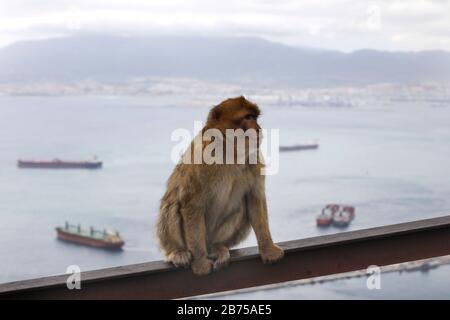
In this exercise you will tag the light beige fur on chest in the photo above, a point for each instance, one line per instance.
(228, 198)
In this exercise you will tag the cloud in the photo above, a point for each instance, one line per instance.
(339, 24)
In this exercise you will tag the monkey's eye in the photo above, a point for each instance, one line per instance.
(250, 117)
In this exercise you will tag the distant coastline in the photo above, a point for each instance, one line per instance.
(433, 93)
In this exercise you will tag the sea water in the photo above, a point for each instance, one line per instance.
(389, 161)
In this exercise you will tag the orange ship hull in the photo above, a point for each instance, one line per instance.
(88, 241)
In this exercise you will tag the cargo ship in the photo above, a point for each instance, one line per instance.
(337, 215)
(59, 164)
(105, 239)
(325, 218)
(344, 216)
(299, 147)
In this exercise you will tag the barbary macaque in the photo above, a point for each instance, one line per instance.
(209, 208)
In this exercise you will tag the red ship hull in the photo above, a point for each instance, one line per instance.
(91, 242)
(323, 222)
(59, 164)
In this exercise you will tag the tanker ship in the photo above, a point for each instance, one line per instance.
(59, 164)
(299, 147)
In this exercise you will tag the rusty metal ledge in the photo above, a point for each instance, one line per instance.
(305, 258)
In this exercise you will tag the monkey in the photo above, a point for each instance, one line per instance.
(209, 208)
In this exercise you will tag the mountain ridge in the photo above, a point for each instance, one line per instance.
(117, 58)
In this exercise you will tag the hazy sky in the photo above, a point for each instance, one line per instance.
(340, 24)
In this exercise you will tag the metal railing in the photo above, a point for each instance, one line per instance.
(305, 258)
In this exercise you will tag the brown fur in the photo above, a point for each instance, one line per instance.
(209, 208)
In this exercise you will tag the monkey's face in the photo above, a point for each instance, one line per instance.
(248, 120)
(249, 124)
(237, 119)
(236, 113)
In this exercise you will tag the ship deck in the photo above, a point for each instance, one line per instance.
(96, 235)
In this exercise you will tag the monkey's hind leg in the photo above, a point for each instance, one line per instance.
(171, 237)
(179, 258)
(176, 251)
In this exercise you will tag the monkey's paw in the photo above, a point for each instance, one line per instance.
(180, 258)
(271, 254)
(221, 258)
(201, 266)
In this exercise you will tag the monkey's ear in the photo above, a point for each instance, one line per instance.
(214, 114)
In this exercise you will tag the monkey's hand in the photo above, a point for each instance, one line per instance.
(221, 257)
(271, 254)
(201, 266)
